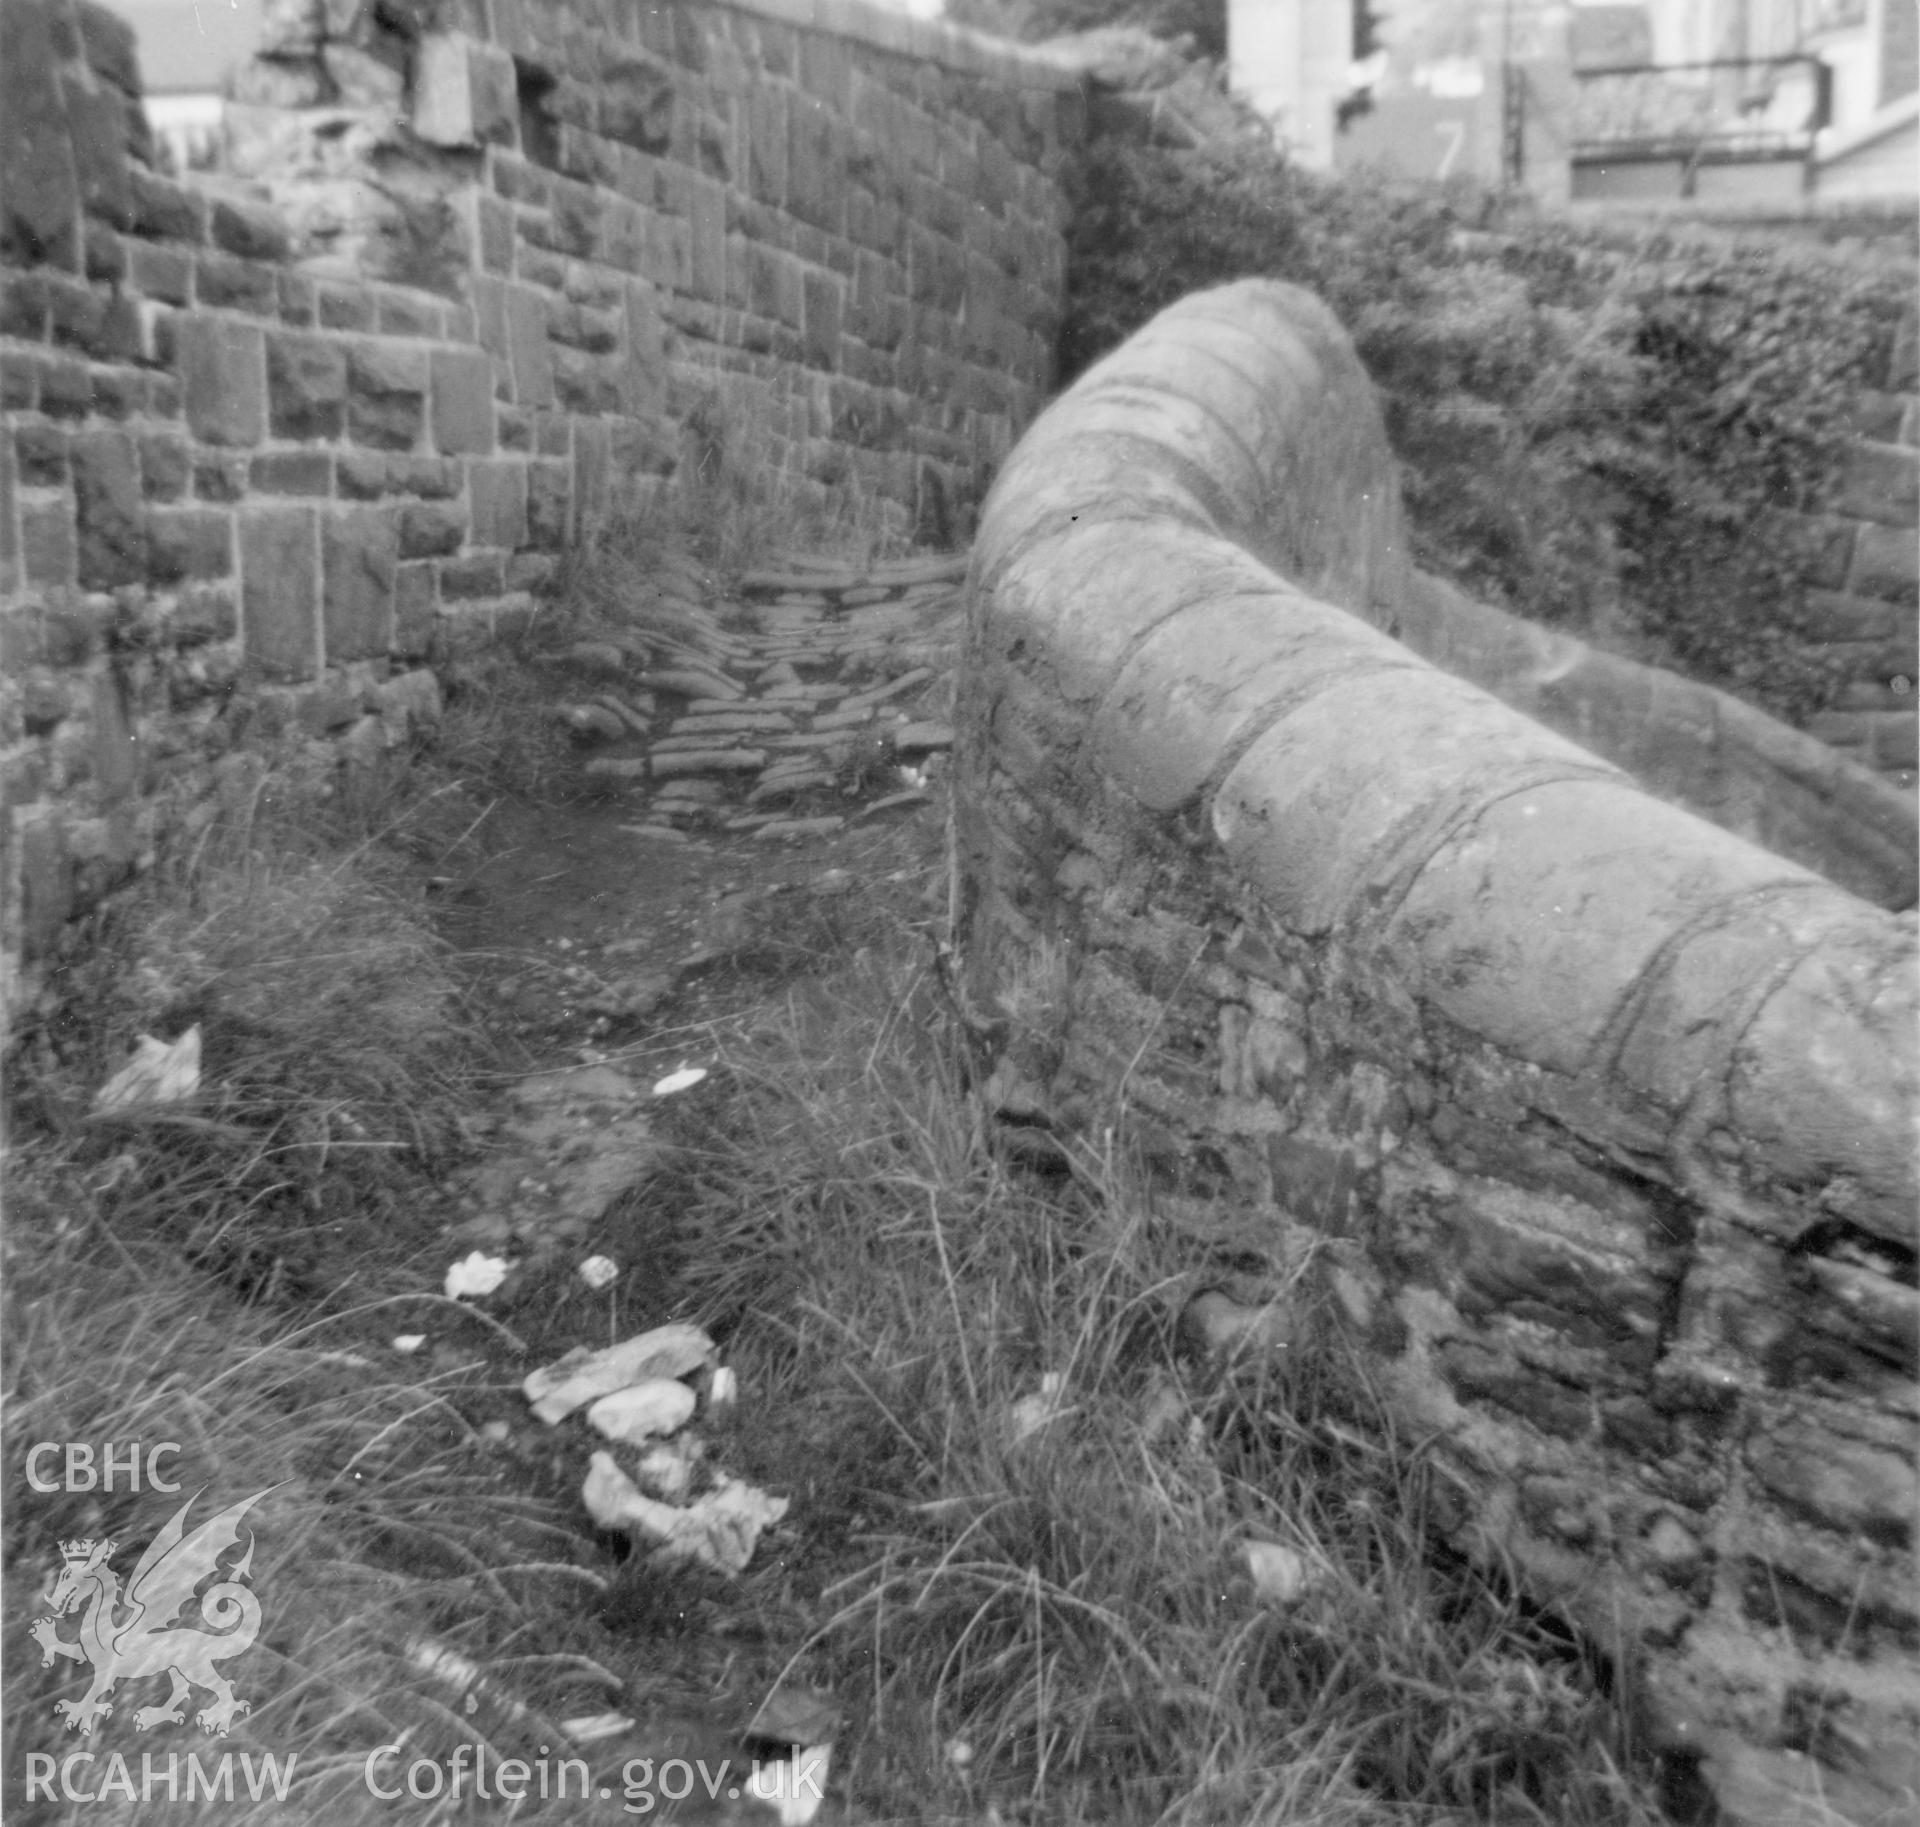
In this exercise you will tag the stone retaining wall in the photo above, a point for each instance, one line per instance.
(835, 228)
(1703, 749)
(1864, 602)
(1593, 1122)
(487, 273)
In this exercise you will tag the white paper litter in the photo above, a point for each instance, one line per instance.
(795, 1785)
(1280, 1575)
(666, 1469)
(721, 1530)
(1031, 1413)
(557, 1389)
(683, 1080)
(599, 1272)
(1224, 1327)
(795, 1714)
(407, 1343)
(160, 1072)
(478, 1273)
(596, 1726)
(643, 1412)
(722, 1392)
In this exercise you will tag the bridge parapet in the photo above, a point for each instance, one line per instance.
(1594, 1119)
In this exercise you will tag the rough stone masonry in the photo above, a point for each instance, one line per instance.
(274, 445)
(1592, 1122)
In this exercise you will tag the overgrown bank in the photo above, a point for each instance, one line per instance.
(1630, 437)
(1057, 1550)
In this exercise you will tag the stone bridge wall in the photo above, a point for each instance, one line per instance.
(1713, 753)
(488, 271)
(1864, 587)
(1594, 1122)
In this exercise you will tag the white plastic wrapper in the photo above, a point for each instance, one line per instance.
(721, 1530)
(160, 1072)
(582, 1376)
(644, 1412)
(476, 1274)
(599, 1272)
(1281, 1576)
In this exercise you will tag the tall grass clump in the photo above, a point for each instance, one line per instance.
(397, 1572)
(1025, 1500)
(745, 491)
(336, 1046)
(228, 1274)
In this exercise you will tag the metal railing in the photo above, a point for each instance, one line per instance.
(1732, 108)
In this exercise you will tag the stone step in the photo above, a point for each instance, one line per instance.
(791, 829)
(693, 683)
(847, 718)
(905, 683)
(920, 738)
(707, 761)
(787, 786)
(813, 739)
(801, 696)
(731, 723)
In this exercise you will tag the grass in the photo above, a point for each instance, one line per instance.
(1056, 1626)
(742, 495)
(336, 1040)
(228, 1277)
(1063, 1627)
(389, 1539)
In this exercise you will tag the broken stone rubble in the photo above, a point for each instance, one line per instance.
(826, 661)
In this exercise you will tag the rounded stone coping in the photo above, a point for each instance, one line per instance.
(952, 47)
(1181, 572)
(1183, 721)
(1713, 753)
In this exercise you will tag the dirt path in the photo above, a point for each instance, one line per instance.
(759, 771)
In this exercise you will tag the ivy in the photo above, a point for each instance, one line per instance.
(1618, 437)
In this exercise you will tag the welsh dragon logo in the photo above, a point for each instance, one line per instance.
(133, 1636)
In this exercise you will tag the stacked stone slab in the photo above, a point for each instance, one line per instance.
(1591, 1123)
(487, 285)
(807, 703)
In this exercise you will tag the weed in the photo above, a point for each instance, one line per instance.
(1061, 1625)
(396, 1566)
(1020, 1508)
(335, 1045)
(742, 493)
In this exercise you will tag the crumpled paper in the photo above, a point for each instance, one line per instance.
(643, 1412)
(476, 1274)
(160, 1072)
(1031, 1413)
(721, 1530)
(582, 1376)
(1280, 1575)
(794, 1785)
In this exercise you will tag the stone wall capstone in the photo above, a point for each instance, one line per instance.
(1592, 1123)
(1702, 748)
(480, 276)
